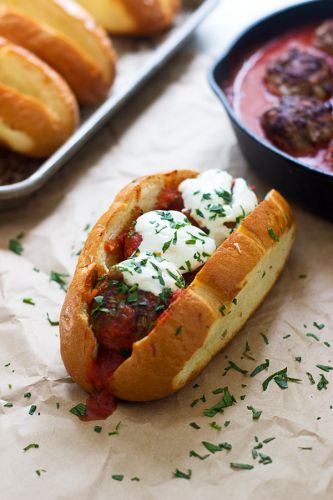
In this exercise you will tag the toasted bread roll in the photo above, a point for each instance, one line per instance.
(203, 318)
(38, 111)
(133, 17)
(66, 37)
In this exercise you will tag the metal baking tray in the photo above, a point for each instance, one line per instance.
(138, 61)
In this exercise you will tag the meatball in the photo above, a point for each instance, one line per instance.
(300, 73)
(299, 124)
(324, 37)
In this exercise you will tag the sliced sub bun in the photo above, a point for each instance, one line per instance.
(66, 37)
(38, 111)
(133, 17)
(209, 312)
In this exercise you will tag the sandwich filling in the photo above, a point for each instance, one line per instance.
(162, 252)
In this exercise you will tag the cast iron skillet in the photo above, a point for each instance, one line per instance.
(312, 188)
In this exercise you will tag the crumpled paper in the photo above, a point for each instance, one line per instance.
(175, 122)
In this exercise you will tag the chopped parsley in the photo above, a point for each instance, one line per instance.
(272, 234)
(59, 278)
(32, 410)
(227, 400)
(80, 410)
(310, 377)
(183, 475)
(298, 359)
(8, 405)
(265, 338)
(118, 477)
(233, 366)
(214, 448)
(237, 466)
(323, 383)
(39, 472)
(178, 330)
(260, 368)
(325, 368)
(98, 429)
(313, 336)
(287, 336)
(247, 352)
(52, 323)
(302, 276)
(215, 426)
(195, 454)
(264, 459)
(15, 245)
(116, 431)
(319, 326)
(280, 378)
(135, 478)
(29, 300)
(255, 412)
(195, 425)
(30, 446)
(27, 395)
(268, 440)
(222, 309)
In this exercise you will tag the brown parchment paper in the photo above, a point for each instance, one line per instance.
(175, 122)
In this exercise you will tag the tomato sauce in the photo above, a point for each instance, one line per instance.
(250, 98)
(121, 318)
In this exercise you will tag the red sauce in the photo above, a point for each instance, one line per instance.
(129, 321)
(249, 95)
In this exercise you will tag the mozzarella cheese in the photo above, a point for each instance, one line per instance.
(170, 234)
(214, 199)
(151, 273)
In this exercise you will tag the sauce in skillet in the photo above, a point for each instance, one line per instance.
(250, 98)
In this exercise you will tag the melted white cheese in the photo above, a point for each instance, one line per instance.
(170, 234)
(151, 273)
(213, 199)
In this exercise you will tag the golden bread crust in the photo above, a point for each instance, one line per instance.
(67, 38)
(38, 111)
(203, 317)
(133, 17)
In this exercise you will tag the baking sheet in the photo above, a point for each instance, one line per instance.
(175, 122)
(138, 61)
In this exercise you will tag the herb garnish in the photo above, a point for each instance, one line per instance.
(325, 368)
(215, 426)
(236, 466)
(8, 405)
(116, 431)
(29, 300)
(298, 359)
(227, 400)
(15, 245)
(32, 410)
(30, 446)
(27, 395)
(178, 330)
(311, 379)
(39, 471)
(214, 448)
(272, 234)
(319, 326)
(195, 425)
(118, 477)
(264, 459)
(247, 351)
(183, 475)
(59, 278)
(313, 336)
(222, 309)
(265, 338)
(233, 366)
(260, 368)
(323, 382)
(255, 413)
(195, 454)
(80, 410)
(98, 429)
(280, 378)
(52, 323)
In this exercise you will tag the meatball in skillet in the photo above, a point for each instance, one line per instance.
(324, 37)
(299, 124)
(299, 72)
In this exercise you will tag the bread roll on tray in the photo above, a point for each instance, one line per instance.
(161, 285)
(65, 36)
(38, 111)
(133, 17)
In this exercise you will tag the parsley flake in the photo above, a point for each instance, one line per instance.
(80, 410)
(272, 234)
(183, 475)
(255, 413)
(237, 466)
